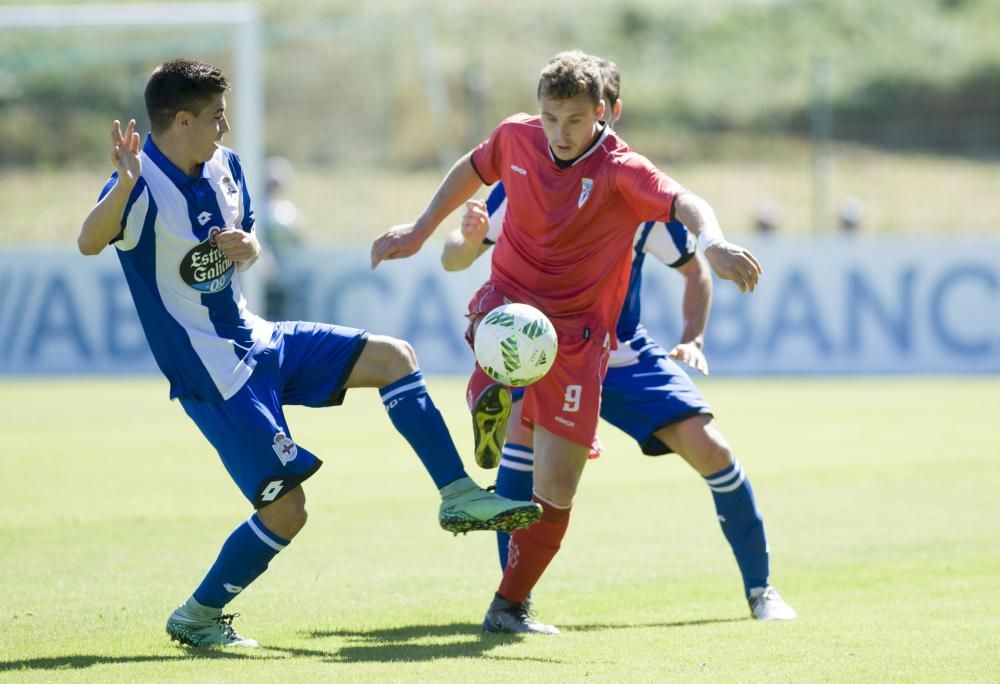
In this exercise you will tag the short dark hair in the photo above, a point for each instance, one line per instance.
(568, 74)
(611, 78)
(181, 85)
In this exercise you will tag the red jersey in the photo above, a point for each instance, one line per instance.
(566, 246)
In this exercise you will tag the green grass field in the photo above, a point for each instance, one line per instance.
(880, 498)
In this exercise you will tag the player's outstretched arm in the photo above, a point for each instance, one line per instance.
(696, 304)
(103, 222)
(406, 239)
(729, 261)
(464, 245)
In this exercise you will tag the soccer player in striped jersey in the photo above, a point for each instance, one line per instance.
(576, 193)
(645, 393)
(179, 214)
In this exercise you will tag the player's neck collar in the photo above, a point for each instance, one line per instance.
(598, 139)
(171, 170)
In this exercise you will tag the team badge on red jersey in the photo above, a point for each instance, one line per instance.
(588, 185)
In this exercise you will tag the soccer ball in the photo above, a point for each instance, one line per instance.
(516, 344)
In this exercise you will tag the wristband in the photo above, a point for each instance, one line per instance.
(710, 238)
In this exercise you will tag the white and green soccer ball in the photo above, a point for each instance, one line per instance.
(516, 344)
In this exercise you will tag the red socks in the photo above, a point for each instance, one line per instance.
(531, 551)
(477, 384)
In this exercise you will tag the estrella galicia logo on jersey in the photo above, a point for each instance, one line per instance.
(588, 185)
(205, 268)
(285, 448)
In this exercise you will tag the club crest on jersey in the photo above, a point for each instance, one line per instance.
(588, 185)
(229, 186)
(205, 268)
(285, 448)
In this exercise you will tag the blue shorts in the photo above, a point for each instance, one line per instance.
(305, 364)
(649, 395)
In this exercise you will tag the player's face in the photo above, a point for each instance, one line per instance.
(570, 124)
(207, 128)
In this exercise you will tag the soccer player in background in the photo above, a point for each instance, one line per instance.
(645, 393)
(179, 213)
(575, 193)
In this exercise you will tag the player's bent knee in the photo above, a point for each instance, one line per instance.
(712, 456)
(288, 515)
(383, 361)
(401, 359)
(556, 493)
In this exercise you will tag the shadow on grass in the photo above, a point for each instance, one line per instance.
(465, 640)
(79, 662)
(404, 643)
(653, 625)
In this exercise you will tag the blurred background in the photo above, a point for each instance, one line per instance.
(855, 145)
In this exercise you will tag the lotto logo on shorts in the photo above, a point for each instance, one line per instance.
(271, 491)
(285, 448)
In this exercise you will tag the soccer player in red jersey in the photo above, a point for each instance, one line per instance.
(576, 193)
(645, 393)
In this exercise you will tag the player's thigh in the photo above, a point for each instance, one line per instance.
(558, 466)
(648, 395)
(700, 442)
(252, 437)
(316, 360)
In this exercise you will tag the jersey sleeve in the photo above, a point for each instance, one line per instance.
(672, 243)
(486, 158)
(496, 208)
(133, 218)
(649, 191)
(246, 216)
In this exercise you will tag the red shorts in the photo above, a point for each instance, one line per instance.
(567, 401)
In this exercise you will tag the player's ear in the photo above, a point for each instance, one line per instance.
(183, 118)
(616, 110)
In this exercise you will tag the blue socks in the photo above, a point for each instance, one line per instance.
(514, 480)
(741, 523)
(417, 419)
(243, 557)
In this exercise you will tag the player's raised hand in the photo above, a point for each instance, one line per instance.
(690, 355)
(475, 221)
(125, 153)
(398, 242)
(732, 262)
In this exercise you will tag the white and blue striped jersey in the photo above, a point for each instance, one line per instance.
(672, 243)
(186, 291)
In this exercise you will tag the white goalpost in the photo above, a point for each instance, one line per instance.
(242, 20)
